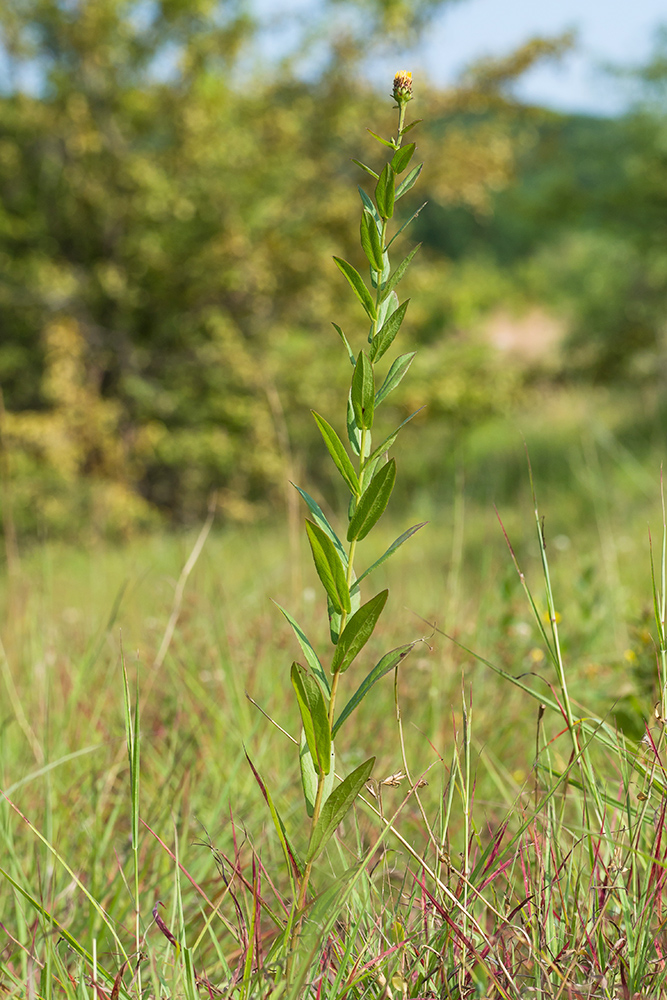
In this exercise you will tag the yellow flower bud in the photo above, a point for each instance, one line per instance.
(403, 86)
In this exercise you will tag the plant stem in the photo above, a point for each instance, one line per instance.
(401, 120)
(299, 904)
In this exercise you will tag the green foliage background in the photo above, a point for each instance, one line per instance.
(169, 208)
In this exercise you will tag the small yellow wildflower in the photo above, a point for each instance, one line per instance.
(403, 86)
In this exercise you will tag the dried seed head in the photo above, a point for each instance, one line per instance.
(394, 780)
(403, 86)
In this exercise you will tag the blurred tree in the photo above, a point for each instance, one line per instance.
(583, 229)
(176, 213)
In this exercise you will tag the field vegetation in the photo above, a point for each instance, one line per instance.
(168, 214)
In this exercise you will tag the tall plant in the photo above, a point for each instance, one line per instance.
(369, 475)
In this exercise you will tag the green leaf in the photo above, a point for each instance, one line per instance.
(336, 808)
(394, 376)
(308, 651)
(313, 716)
(406, 224)
(358, 286)
(409, 182)
(373, 502)
(385, 191)
(309, 778)
(363, 392)
(383, 340)
(353, 432)
(370, 241)
(319, 518)
(364, 167)
(367, 203)
(357, 632)
(399, 272)
(384, 666)
(390, 551)
(389, 440)
(329, 567)
(401, 158)
(337, 451)
(386, 308)
(370, 465)
(293, 861)
(335, 618)
(411, 125)
(378, 278)
(342, 336)
(385, 142)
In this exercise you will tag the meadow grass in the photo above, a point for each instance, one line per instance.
(496, 879)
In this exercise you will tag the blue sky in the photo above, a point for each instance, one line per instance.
(619, 32)
(611, 31)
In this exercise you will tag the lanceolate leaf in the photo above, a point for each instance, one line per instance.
(342, 336)
(335, 619)
(308, 651)
(319, 518)
(357, 284)
(384, 338)
(402, 157)
(293, 861)
(389, 440)
(399, 272)
(370, 465)
(353, 432)
(385, 191)
(336, 808)
(364, 167)
(309, 775)
(406, 224)
(329, 567)
(367, 202)
(387, 663)
(409, 181)
(386, 308)
(363, 392)
(378, 278)
(370, 241)
(357, 632)
(373, 502)
(390, 551)
(385, 142)
(313, 716)
(411, 125)
(337, 451)
(394, 376)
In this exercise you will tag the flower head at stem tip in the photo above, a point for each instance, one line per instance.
(402, 92)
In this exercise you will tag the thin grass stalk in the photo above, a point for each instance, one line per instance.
(133, 741)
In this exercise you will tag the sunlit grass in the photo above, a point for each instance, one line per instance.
(73, 614)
